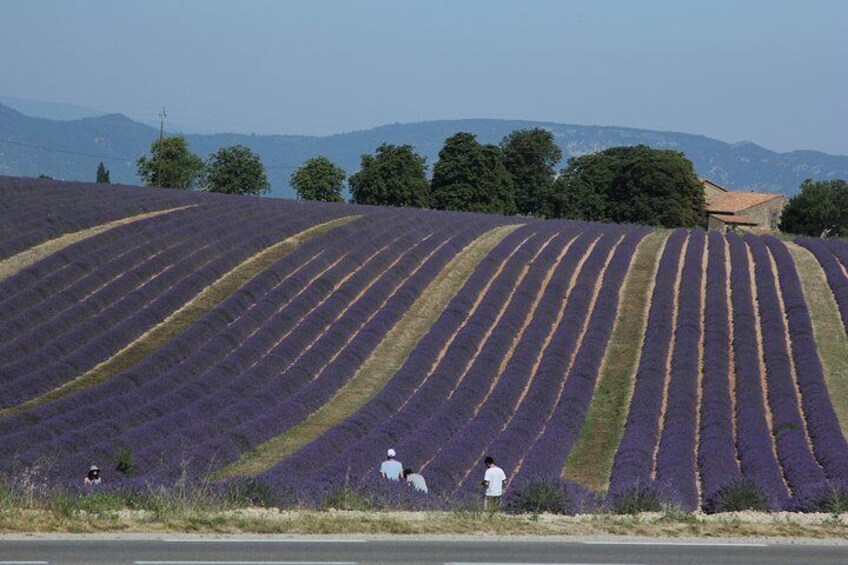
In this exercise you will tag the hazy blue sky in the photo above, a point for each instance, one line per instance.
(772, 72)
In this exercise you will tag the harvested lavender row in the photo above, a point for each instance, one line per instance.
(468, 446)
(793, 450)
(405, 382)
(829, 444)
(754, 442)
(634, 458)
(675, 461)
(717, 462)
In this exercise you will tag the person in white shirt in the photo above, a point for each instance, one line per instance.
(391, 468)
(494, 481)
(416, 480)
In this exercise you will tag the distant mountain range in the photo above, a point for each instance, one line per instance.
(71, 149)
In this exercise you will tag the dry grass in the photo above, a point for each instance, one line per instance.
(831, 341)
(24, 259)
(590, 461)
(386, 359)
(174, 324)
(272, 521)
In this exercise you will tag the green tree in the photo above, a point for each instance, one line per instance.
(530, 156)
(170, 165)
(819, 210)
(235, 170)
(319, 179)
(394, 176)
(471, 177)
(635, 184)
(102, 174)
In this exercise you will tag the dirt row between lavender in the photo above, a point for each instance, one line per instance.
(671, 524)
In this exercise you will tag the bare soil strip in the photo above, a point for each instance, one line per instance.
(386, 359)
(831, 340)
(674, 311)
(17, 263)
(700, 377)
(590, 461)
(731, 358)
(190, 312)
(761, 357)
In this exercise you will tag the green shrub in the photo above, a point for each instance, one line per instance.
(124, 460)
(346, 498)
(738, 496)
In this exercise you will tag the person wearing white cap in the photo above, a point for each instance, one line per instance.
(391, 468)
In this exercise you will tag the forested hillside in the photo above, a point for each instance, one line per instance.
(119, 141)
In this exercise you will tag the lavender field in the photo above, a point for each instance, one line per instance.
(728, 393)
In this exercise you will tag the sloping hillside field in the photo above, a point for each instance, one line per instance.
(282, 346)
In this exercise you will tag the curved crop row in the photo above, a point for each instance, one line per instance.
(634, 460)
(120, 313)
(417, 380)
(543, 430)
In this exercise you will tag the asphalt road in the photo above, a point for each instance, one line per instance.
(348, 551)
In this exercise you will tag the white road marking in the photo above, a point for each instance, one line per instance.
(677, 543)
(261, 540)
(245, 562)
(502, 563)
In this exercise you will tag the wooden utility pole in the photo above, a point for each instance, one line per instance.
(162, 116)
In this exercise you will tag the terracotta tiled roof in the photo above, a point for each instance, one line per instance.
(732, 202)
(713, 184)
(735, 219)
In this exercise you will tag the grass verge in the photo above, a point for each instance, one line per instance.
(670, 524)
(189, 313)
(590, 462)
(386, 359)
(829, 333)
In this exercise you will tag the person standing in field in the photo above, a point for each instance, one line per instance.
(494, 481)
(93, 476)
(415, 479)
(391, 468)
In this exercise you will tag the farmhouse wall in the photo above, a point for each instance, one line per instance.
(768, 213)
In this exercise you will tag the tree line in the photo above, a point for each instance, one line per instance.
(628, 184)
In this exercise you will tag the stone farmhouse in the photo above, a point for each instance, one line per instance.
(733, 209)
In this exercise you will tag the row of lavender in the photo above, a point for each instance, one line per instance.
(498, 373)
(33, 211)
(283, 344)
(768, 421)
(66, 317)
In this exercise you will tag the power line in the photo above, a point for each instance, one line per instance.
(53, 149)
(103, 157)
